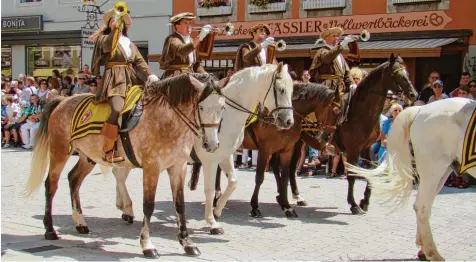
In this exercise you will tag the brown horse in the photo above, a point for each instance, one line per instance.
(161, 141)
(357, 132)
(268, 139)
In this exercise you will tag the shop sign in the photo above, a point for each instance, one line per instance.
(22, 23)
(85, 33)
(375, 23)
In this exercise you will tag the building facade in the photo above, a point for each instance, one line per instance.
(41, 35)
(428, 34)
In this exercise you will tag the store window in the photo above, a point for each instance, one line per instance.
(6, 61)
(42, 60)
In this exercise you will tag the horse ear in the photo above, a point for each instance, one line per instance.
(280, 67)
(392, 59)
(197, 84)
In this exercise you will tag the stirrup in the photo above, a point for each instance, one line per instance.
(118, 158)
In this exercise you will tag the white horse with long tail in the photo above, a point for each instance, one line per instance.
(436, 154)
(270, 85)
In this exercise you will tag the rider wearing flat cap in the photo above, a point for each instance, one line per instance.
(254, 52)
(179, 55)
(329, 66)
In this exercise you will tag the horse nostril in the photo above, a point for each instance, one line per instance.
(218, 145)
(205, 145)
(289, 122)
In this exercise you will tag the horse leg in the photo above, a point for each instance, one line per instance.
(274, 161)
(76, 177)
(57, 163)
(217, 186)
(285, 158)
(292, 173)
(228, 166)
(364, 203)
(263, 159)
(209, 171)
(150, 180)
(354, 208)
(427, 191)
(177, 174)
(123, 200)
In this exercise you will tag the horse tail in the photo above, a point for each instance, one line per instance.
(41, 152)
(192, 184)
(393, 179)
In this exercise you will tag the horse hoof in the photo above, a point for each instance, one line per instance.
(357, 210)
(364, 206)
(51, 236)
(151, 253)
(291, 214)
(82, 229)
(217, 231)
(192, 251)
(421, 256)
(255, 212)
(128, 219)
(302, 203)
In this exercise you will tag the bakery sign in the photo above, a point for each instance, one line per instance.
(375, 23)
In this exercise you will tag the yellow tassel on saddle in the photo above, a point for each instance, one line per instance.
(120, 10)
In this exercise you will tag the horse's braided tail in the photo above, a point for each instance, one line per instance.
(41, 152)
(195, 176)
(393, 179)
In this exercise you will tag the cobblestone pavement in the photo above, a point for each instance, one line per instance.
(325, 230)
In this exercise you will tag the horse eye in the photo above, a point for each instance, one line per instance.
(283, 91)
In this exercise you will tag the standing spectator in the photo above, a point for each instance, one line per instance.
(427, 90)
(395, 109)
(463, 81)
(472, 90)
(306, 77)
(28, 130)
(81, 88)
(356, 74)
(86, 70)
(56, 75)
(438, 92)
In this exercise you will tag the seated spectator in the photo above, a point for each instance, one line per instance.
(12, 110)
(14, 126)
(463, 91)
(92, 86)
(82, 87)
(438, 92)
(44, 91)
(86, 70)
(472, 90)
(463, 81)
(28, 130)
(30, 84)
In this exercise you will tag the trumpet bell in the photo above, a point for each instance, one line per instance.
(229, 29)
(281, 45)
(365, 35)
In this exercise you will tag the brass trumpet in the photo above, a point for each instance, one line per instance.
(228, 29)
(363, 36)
(280, 45)
(120, 9)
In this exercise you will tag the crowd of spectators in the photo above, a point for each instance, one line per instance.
(24, 97)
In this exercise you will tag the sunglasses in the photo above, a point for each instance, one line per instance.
(92, 85)
(81, 78)
(437, 86)
(472, 86)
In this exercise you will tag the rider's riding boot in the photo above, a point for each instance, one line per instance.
(110, 133)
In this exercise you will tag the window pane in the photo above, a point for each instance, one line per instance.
(43, 60)
(7, 61)
(29, 1)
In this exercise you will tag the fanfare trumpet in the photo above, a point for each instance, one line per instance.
(228, 29)
(363, 36)
(272, 48)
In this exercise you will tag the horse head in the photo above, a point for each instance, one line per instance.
(400, 79)
(209, 111)
(278, 97)
(329, 117)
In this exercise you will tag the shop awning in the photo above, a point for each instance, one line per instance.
(371, 49)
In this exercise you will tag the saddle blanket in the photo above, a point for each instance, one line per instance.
(88, 118)
(469, 146)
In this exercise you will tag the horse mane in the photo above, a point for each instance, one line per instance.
(179, 89)
(312, 91)
(365, 87)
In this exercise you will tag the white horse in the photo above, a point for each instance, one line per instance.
(437, 133)
(270, 85)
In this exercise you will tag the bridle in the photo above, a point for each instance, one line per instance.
(318, 128)
(240, 108)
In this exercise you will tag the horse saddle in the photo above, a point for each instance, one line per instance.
(89, 118)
